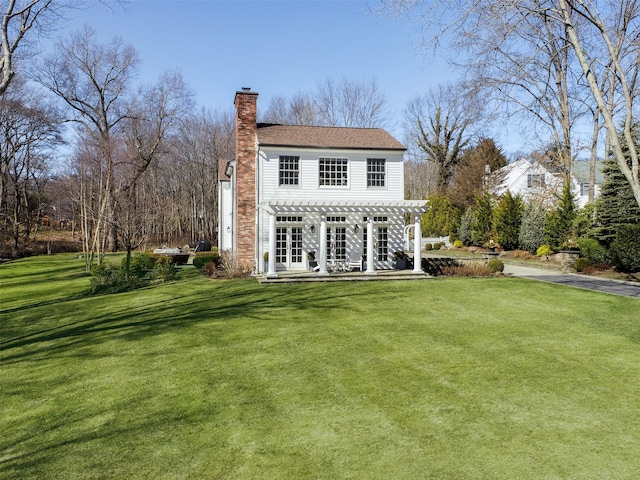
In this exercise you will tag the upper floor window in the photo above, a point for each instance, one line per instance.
(535, 180)
(288, 169)
(333, 172)
(376, 172)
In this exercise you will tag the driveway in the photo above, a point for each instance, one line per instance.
(615, 287)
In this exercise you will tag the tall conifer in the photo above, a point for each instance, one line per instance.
(616, 205)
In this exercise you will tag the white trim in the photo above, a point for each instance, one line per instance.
(344, 206)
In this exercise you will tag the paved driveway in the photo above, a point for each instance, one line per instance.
(627, 289)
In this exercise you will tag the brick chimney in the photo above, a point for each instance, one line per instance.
(245, 171)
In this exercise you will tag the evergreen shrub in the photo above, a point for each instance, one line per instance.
(458, 244)
(164, 269)
(625, 249)
(140, 266)
(495, 266)
(427, 246)
(202, 258)
(581, 263)
(466, 222)
(508, 219)
(532, 228)
(591, 249)
(108, 279)
(544, 250)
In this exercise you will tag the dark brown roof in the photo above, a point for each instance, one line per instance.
(326, 137)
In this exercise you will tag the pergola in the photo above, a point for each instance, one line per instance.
(367, 208)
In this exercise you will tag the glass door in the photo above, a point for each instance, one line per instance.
(289, 248)
(336, 243)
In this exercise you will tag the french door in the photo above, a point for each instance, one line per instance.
(336, 243)
(289, 248)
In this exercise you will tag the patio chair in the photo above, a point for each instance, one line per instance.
(354, 261)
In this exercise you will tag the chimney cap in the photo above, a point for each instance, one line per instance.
(246, 89)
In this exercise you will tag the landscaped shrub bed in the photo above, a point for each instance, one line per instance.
(203, 258)
(143, 269)
(468, 270)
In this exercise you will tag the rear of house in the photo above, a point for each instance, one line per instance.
(336, 194)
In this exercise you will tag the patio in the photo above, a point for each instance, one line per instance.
(356, 276)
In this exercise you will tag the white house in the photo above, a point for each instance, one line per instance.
(536, 183)
(336, 192)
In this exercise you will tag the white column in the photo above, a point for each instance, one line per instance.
(370, 250)
(417, 244)
(271, 271)
(322, 261)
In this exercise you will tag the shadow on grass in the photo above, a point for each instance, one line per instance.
(136, 314)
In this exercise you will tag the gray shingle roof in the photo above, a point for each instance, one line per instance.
(326, 137)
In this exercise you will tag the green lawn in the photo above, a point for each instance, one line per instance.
(492, 378)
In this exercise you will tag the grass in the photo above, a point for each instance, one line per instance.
(497, 378)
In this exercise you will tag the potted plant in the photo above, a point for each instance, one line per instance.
(265, 257)
(311, 258)
(401, 260)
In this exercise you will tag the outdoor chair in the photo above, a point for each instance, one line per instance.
(354, 261)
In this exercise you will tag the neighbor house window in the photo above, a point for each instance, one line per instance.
(535, 180)
(376, 172)
(333, 172)
(584, 189)
(288, 169)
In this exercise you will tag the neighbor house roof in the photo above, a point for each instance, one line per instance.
(326, 137)
(580, 170)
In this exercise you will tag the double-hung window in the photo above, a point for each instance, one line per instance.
(376, 172)
(584, 189)
(535, 180)
(333, 172)
(288, 170)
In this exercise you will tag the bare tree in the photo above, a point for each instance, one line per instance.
(347, 103)
(443, 120)
(156, 113)
(598, 39)
(93, 81)
(301, 109)
(521, 60)
(19, 17)
(204, 142)
(619, 49)
(28, 133)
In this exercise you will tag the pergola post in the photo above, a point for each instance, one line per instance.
(271, 270)
(370, 253)
(417, 246)
(322, 261)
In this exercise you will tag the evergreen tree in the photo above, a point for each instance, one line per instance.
(586, 221)
(482, 230)
(616, 205)
(508, 218)
(442, 218)
(625, 248)
(466, 223)
(532, 228)
(559, 226)
(470, 178)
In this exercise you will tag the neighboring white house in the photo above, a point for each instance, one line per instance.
(535, 183)
(337, 192)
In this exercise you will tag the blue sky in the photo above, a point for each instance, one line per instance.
(276, 47)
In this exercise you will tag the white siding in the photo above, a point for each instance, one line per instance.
(309, 189)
